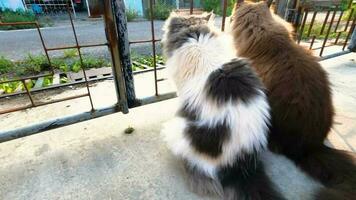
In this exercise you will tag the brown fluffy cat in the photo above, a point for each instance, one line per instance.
(300, 97)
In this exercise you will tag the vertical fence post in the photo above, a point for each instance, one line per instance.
(123, 40)
(352, 45)
(113, 44)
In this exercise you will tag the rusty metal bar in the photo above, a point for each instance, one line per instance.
(312, 23)
(338, 21)
(28, 93)
(224, 15)
(62, 99)
(143, 41)
(330, 45)
(349, 19)
(74, 47)
(337, 37)
(15, 109)
(327, 33)
(303, 25)
(312, 42)
(25, 78)
(154, 46)
(17, 23)
(349, 34)
(325, 22)
(41, 104)
(191, 7)
(80, 57)
(33, 90)
(44, 46)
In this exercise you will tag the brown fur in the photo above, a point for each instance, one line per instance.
(299, 94)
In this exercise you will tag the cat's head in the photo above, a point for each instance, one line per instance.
(249, 14)
(253, 23)
(177, 24)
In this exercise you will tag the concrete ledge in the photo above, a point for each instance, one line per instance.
(97, 160)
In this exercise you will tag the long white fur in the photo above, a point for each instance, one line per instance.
(190, 67)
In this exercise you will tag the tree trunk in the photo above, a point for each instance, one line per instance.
(124, 47)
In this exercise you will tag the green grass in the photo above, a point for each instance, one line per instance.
(5, 65)
(316, 29)
(70, 53)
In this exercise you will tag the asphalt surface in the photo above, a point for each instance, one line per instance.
(18, 43)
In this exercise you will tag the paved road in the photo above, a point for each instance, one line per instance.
(18, 43)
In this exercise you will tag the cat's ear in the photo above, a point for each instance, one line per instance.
(210, 17)
(269, 3)
(173, 14)
(239, 3)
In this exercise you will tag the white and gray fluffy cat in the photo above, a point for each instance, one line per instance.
(222, 123)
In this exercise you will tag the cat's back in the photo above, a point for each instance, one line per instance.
(298, 90)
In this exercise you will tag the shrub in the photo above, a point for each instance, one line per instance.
(35, 63)
(316, 29)
(5, 65)
(131, 14)
(216, 6)
(161, 10)
(8, 16)
(348, 13)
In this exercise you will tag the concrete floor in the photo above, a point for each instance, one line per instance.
(96, 160)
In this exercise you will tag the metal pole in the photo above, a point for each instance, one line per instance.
(88, 8)
(153, 46)
(124, 49)
(75, 14)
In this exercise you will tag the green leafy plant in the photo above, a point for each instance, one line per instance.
(70, 53)
(64, 67)
(142, 62)
(76, 67)
(64, 80)
(47, 81)
(14, 86)
(131, 14)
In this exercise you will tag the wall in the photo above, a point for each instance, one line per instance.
(12, 4)
(134, 5)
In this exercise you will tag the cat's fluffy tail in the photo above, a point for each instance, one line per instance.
(247, 184)
(335, 169)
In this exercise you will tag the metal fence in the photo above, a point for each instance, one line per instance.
(332, 23)
(51, 72)
(49, 6)
(113, 30)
